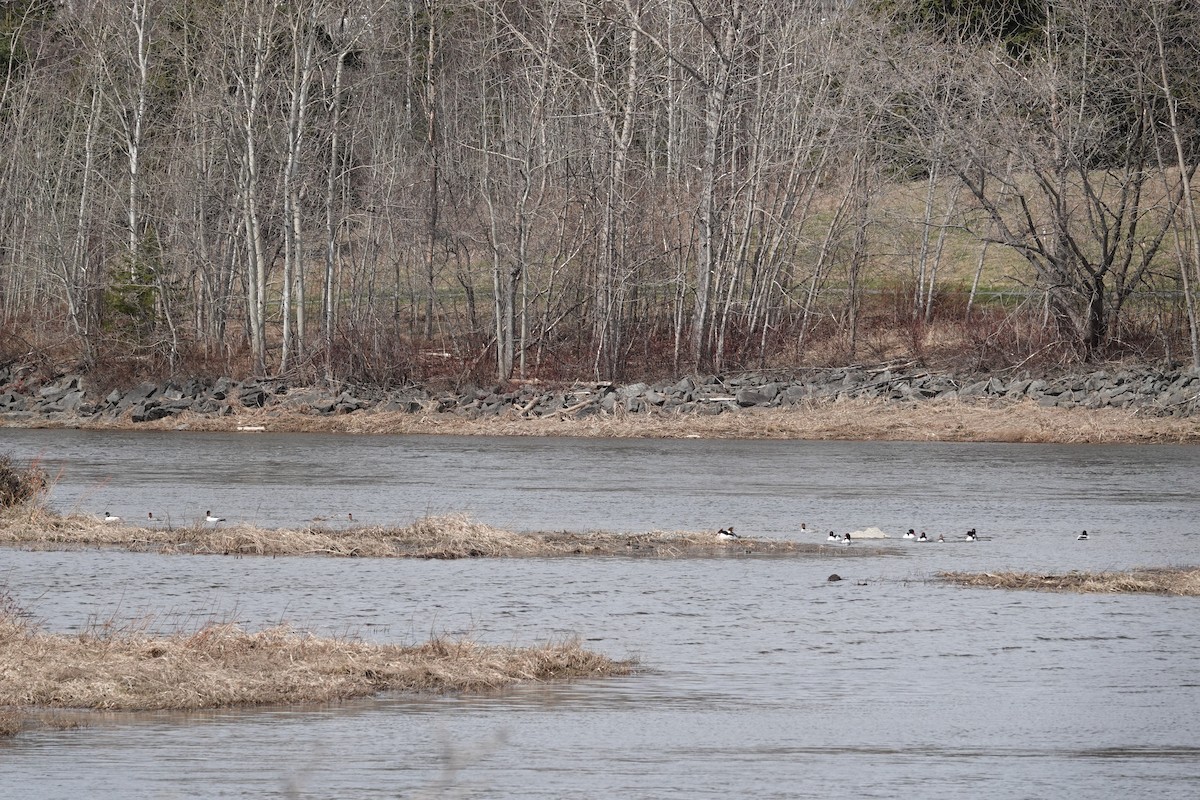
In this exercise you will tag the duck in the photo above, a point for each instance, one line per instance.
(971, 537)
(108, 517)
(922, 537)
(846, 538)
(910, 534)
(727, 534)
(1081, 537)
(803, 528)
(208, 517)
(832, 537)
(941, 538)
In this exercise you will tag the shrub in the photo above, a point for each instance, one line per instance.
(19, 485)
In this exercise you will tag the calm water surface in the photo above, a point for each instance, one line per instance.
(759, 678)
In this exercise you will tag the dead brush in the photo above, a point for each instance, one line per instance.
(223, 665)
(847, 420)
(1171, 581)
(21, 485)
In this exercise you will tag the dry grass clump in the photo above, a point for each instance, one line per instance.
(13, 721)
(20, 485)
(682, 544)
(431, 537)
(852, 420)
(443, 537)
(223, 665)
(1173, 581)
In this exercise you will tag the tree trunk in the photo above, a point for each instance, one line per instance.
(332, 218)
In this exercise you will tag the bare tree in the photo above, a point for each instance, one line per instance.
(1164, 22)
(1082, 141)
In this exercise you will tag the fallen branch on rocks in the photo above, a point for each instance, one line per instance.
(1140, 389)
(844, 420)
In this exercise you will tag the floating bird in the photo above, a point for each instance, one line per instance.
(832, 537)
(922, 537)
(111, 517)
(971, 535)
(727, 534)
(803, 528)
(350, 516)
(1081, 537)
(911, 534)
(941, 538)
(846, 539)
(208, 517)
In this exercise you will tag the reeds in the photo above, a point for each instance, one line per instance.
(223, 665)
(20, 485)
(1172, 581)
(443, 537)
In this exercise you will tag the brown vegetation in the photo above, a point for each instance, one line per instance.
(1174, 581)
(443, 537)
(223, 665)
(950, 421)
(20, 485)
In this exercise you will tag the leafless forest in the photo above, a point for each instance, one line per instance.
(390, 190)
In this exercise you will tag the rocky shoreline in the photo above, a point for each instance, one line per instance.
(73, 398)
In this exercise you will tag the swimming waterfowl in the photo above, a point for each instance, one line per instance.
(941, 538)
(971, 535)
(922, 537)
(1082, 537)
(111, 517)
(832, 537)
(846, 539)
(727, 534)
(910, 534)
(208, 517)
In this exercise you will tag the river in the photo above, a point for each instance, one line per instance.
(758, 677)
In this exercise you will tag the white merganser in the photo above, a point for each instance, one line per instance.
(832, 537)
(922, 537)
(971, 535)
(911, 534)
(846, 539)
(1082, 537)
(208, 517)
(111, 517)
(727, 534)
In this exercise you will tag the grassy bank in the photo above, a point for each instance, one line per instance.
(1172, 581)
(222, 665)
(950, 421)
(447, 537)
